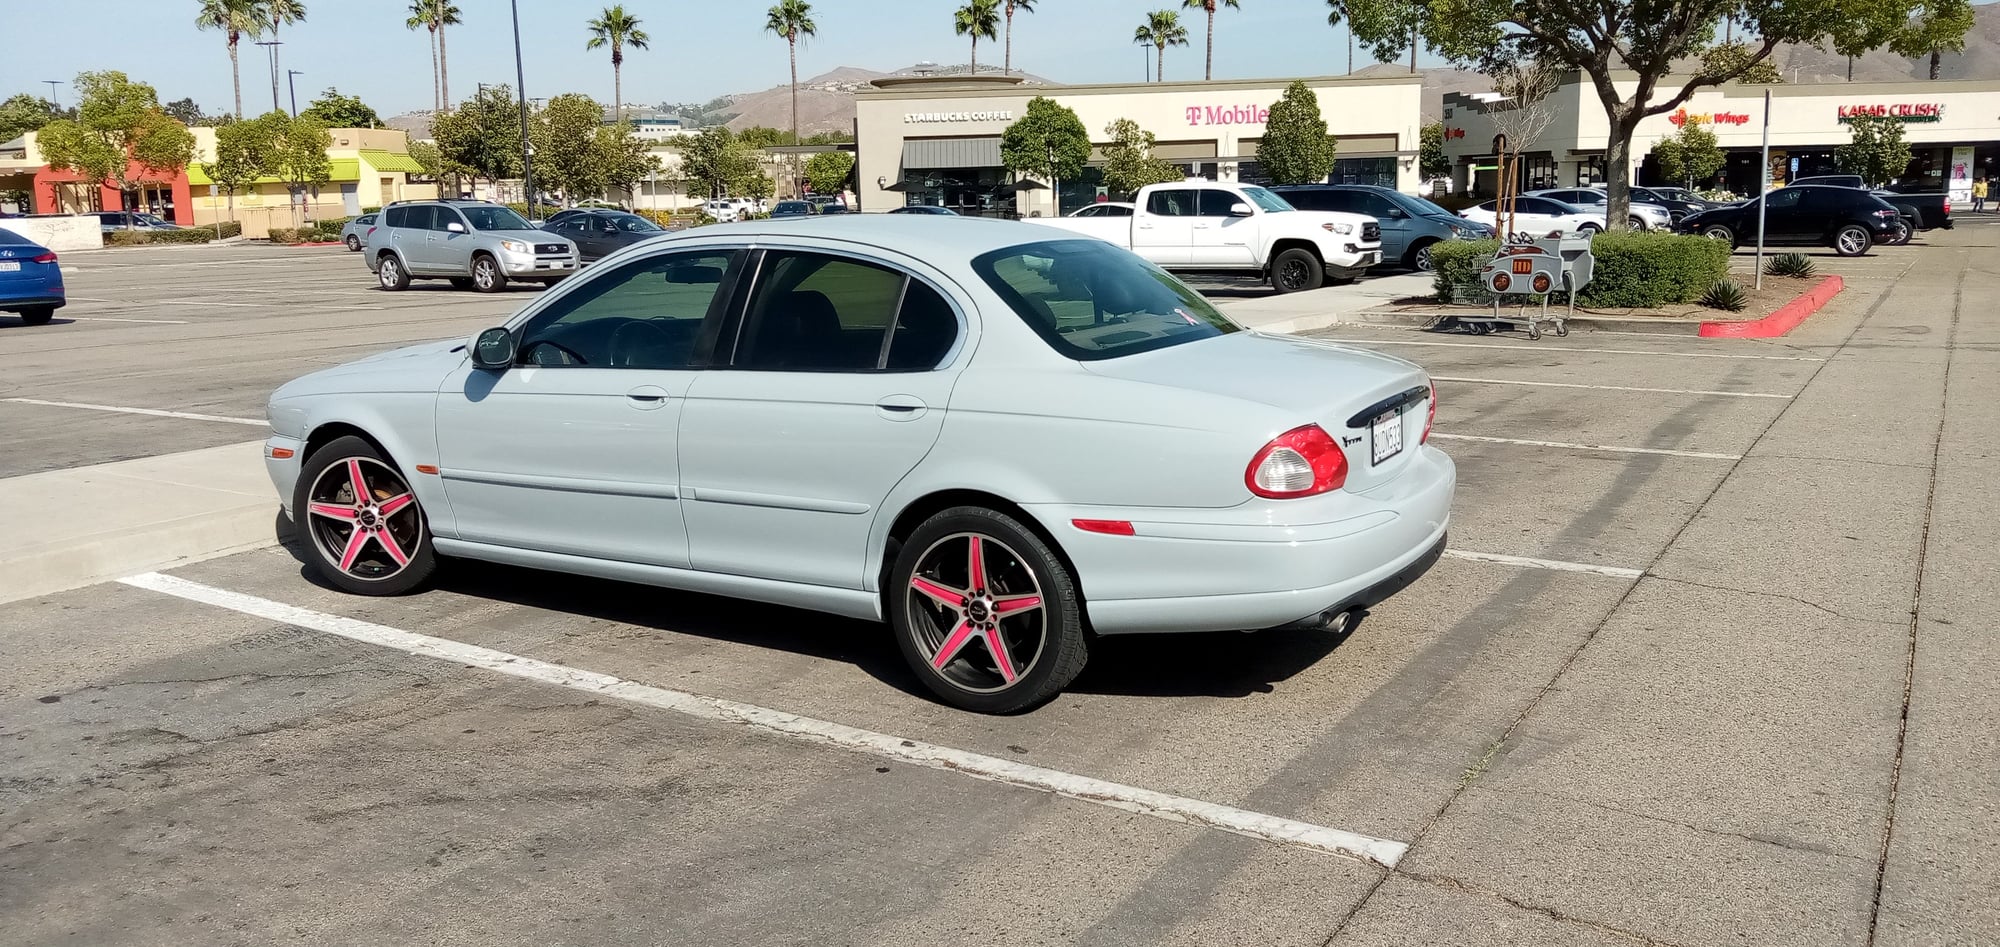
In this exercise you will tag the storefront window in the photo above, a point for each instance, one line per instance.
(1085, 189)
(1380, 172)
(974, 192)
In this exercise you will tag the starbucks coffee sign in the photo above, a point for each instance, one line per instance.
(938, 118)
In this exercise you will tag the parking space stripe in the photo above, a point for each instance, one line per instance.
(1564, 384)
(1119, 796)
(152, 412)
(1703, 455)
(1554, 565)
(1565, 348)
(150, 322)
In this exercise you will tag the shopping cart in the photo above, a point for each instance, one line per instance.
(1534, 268)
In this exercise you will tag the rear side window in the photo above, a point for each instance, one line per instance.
(1090, 300)
(1175, 203)
(396, 217)
(811, 312)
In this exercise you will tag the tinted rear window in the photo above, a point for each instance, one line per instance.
(1090, 300)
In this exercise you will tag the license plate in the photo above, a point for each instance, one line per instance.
(1385, 436)
(9, 266)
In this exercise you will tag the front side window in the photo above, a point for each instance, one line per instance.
(443, 217)
(812, 312)
(1217, 203)
(1090, 300)
(645, 314)
(492, 217)
(1784, 198)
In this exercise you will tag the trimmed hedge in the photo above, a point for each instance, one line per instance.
(140, 238)
(1632, 271)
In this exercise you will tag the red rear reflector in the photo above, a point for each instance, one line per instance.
(1107, 527)
(281, 452)
(427, 468)
(50, 257)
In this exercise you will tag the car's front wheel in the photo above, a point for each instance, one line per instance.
(985, 612)
(1852, 240)
(1719, 232)
(391, 274)
(1297, 270)
(364, 529)
(486, 275)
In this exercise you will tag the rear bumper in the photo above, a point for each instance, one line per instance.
(34, 300)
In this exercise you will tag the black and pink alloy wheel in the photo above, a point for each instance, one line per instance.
(969, 589)
(363, 519)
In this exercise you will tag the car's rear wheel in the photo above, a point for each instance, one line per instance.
(486, 275)
(1636, 222)
(1852, 240)
(1719, 232)
(38, 315)
(1589, 230)
(1297, 270)
(353, 244)
(1905, 232)
(391, 274)
(365, 530)
(1420, 256)
(985, 612)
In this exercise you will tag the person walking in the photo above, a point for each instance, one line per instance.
(1979, 195)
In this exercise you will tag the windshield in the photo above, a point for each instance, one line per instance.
(495, 218)
(1267, 201)
(633, 223)
(1428, 207)
(1090, 300)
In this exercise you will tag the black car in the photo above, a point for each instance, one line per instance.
(794, 209)
(599, 233)
(1848, 220)
(1678, 202)
(932, 209)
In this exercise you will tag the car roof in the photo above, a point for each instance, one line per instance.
(919, 235)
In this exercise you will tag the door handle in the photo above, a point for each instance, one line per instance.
(647, 397)
(901, 407)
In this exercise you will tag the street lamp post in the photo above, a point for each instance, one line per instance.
(291, 83)
(521, 86)
(271, 47)
(53, 98)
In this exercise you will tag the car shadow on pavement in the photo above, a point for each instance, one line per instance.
(1217, 664)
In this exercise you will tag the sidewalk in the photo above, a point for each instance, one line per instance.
(1266, 311)
(86, 525)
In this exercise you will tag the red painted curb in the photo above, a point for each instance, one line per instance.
(326, 243)
(1785, 319)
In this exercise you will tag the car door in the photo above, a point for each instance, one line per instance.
(573, 450)
(410, 235)
(450, 251)
(1164, 232)
(838, 376)
(1395, 222)
(1786, 219)
(1217, 239)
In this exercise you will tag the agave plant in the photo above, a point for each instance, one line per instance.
(1725, 295)
(1794, 265)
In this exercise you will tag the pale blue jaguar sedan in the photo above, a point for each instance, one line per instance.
(998, 438)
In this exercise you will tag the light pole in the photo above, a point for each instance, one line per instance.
(271, 46)
(521, 85)
(291, 76)
(53, 99)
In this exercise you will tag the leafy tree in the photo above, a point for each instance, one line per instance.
(830, 138)
(792, 19)
(431, 161)
(242, 155)
(1738, 60)
(617, 29)
(1690, 155)
(714, 163)
(1389, 28)
(23, 113)
(1431, 161)
(296, 152)
(566, 154)
(1047, 141)
(976, 19)
(1296, 148)
(1162, 29)
(482, 136)
(625, 158)
(1877, 151)
(1025, 6)
(1626, 50)
(119, 126)
(1934, 28)
(763, 136)
(235, 19)
(827, 171)
(342, 111)
(1867, 25)
(757, 186)
(1128, 161)
(1210, 6)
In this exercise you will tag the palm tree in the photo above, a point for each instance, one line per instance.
(420, 18)
(236, 19)
(1026, 6)
(1336, 14)
(617, 29)
(436, 15)
(280, 12)
(977, 18)
(1210, 5)
(1163, 29)
(792, 19)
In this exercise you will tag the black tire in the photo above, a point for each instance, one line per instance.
(391, 275)
(486, 275)
(1907, 233)
(1636, 222)
(38, 315)
(353, 244)
(1296, 271)
(461, 282)
(1589, 230)
(1852, 240)
(324, 498)
(1044, 644)
(1719, 232)
(1419, 257)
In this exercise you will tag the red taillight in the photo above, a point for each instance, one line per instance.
(1107, 527)
(1947, 206)
(370, 233)
(49, 257)
(1300, 463)
(1431, 417)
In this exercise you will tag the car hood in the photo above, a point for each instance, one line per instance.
(416, 368)
(1311, 219)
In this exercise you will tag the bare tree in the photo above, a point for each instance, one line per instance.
(1521, 114)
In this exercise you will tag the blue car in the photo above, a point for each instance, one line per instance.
(30, 281)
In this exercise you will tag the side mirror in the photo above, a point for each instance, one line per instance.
(1396, 213)
(493, 350)
(1240, 209)
(455, 227)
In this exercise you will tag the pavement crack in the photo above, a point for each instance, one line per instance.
(1786, 844)
(1779, 595)
(1447, 881)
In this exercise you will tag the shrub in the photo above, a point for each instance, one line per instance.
(1725, 295)
(1455, 270)
(287, 235)
(138, 238)
(1794, 265)
(1636, 270)
(230, 228)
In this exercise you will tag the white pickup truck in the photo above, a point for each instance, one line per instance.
(1201, 226)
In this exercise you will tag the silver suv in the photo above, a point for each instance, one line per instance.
(475, 244)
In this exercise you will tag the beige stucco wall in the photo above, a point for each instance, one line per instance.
(1214, 115)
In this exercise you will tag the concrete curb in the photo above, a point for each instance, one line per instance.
(1786, 318)
(1420, 318)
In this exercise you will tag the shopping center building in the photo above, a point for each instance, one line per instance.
(936, 140)
(1950, 126)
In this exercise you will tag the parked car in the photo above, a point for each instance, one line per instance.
(114, 220)
(354, 233)
(1411, 226)
(931, 209)
(1539, 216)
(31, 283)
(600, 233)
(722, 211)
(1679, 202)
(1104, 209)
(1640, 216)
(794, 209)
(1831, 180)
(475, 244)
(1198, 226)
(1847, 219)
(781, 438)
(833, 207)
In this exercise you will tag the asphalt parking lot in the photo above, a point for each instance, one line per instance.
(1711, 662)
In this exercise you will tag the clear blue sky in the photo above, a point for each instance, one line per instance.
(701, 48)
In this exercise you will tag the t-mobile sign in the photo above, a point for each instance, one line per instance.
(1252, 114)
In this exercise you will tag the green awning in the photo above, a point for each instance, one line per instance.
(390, 161)
(338, 169)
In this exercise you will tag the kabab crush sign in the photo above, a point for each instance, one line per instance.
(1914, 113)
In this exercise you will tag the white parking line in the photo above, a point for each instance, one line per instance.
(150, 322)
(1555, 565)
(152, 412)
(1147, 802)
(1704, 455)
(1562, 384)
(1565, 348)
